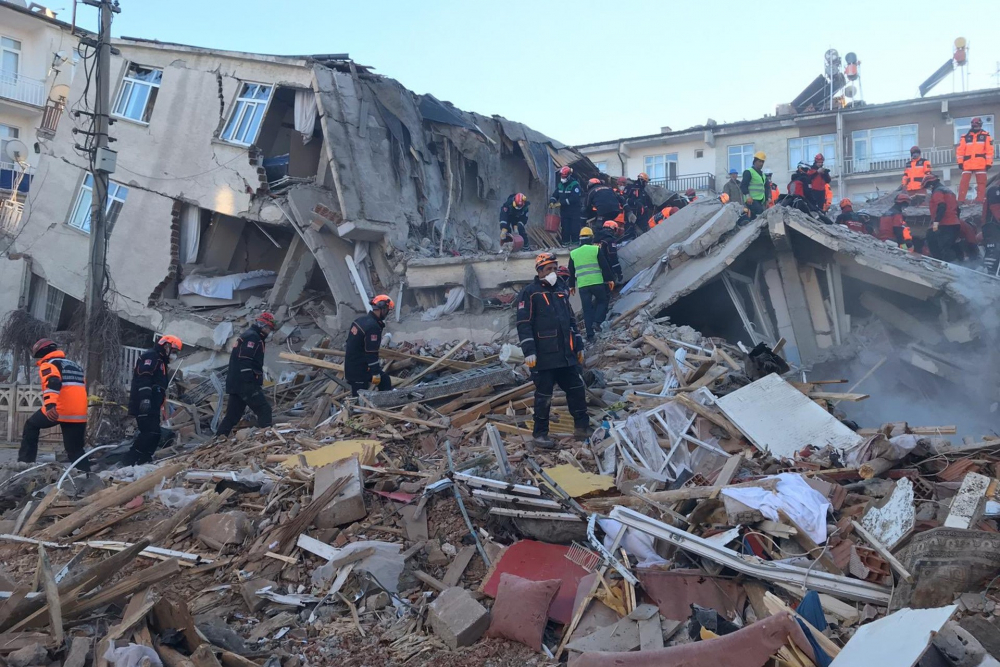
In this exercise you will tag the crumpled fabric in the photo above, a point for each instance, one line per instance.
(806, 506)
(635, 543)
(132, 656)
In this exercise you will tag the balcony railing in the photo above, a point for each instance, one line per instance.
(10, 215)
(939, 157)
(13, 177)
(700, 182)
(22, 89)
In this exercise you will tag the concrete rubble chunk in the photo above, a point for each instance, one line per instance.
(249, 590)
(78, 650)
(349, 505)
(32, 655)
(217, 531)
(457, 619)
(969, 503)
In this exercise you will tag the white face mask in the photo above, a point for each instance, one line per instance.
(173, 356)
(551, 278)
(563, 180)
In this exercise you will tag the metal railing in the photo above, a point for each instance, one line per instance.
(939, 157)
(10, 215)
(700, 182)
(22, 89)
(129, 356)
(14, 177)
(50, 116)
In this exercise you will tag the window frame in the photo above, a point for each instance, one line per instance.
(827, 146)
(870, 158)
(699, 153)
(967, 124)
(649, 163)
(129, 84)
(238, 113)
(111, 212)
(18, 51)
(746, 152)
(4, 140)
(602, 166)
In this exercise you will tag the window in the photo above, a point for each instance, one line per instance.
(660, 167)
(804, 149)
(10, 55)
(602, 166)
(963, 125)
(53, 305)
(7, 134)
(699, 153)
(882, 144)
(138, 93)
(244, 121)
(80, 217)
(740, 157)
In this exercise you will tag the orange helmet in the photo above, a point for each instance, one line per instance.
(544, 258)
(42, 347)
(265, 320)
(643, 176)
(383, 300)
(519, 201)
(902, 198)
(610, 224)
(592, 182)
(622, 181)
(171, 341)
(564, 172)
(845, 203)
(819, 158)
(929, 178)
(690, 192)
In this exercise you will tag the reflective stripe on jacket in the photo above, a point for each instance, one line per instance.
(63, 387)
(975, 151)
(913, 175)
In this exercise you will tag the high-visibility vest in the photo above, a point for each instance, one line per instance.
(63, 387)
(913, 175)
(585, 264)
(756, 188)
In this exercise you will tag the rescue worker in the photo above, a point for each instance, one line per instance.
(64, 402)
(753, 186)
(608, 236)
(246, 376)
(991, 230)
(828, 198)
(690, 195)
(975, 156)
(799, 181)
(553, 349)
(150, 379)
(892, 226)
(819, 179)
(569, 197)
(590, 272)
(913, 175)
(638, 203)
(662, 215)
(848, 217)
(771, 188)
(362, 367)
(944, 232)
(514, 219)
(732, 187)
(602, 203)
(563, 273)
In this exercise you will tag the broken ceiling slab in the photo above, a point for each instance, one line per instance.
(577, 483)
(898, 640)
(492, 271)
(968, 504)
(891, 520)
(653, 244)
(779, 419)
(363, 230)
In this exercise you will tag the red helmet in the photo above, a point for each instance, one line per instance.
(929, 178)
(689, 192)
(914, 149)
(172, 341)
(819, 158)
(564, 172)
(520, 200)
(42, 347)
(265, 320)
(977, 121)
(902, 198)
(610, 224)
(562, 272)
(383, 301)
(622, 180)
(594, 181)
(544, 259)
(845, 203)
(643, 176)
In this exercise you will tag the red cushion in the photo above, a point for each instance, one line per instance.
(522, 609)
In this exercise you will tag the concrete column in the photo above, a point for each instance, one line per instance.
(293, 275)
(798, 306)
(781, 315)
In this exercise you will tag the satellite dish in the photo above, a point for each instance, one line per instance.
(59, 93)
(832, 59)
(960, 43)
(851, 58)
(849, 91)
(16, 151)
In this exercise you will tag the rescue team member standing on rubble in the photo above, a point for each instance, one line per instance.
(753, 186)
(732, 187)
(944, 219)
(608, 236)
(975, 156)
(848, 217)
(570, 198)
(553, 348)
(362, 367)
(246, 376)
(892, 226)
(150, 379)
(638, 203)
(514, 219)
(590, 271)
(64, 402)
(991, 230)
(602, 202)
(819, 179)
(913, 175)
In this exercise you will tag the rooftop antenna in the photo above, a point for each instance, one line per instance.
(831, 66)
(961, 46)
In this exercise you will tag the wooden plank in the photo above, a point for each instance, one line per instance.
(320, 363)
(429, 580)
(134, 582)
(447, 355)
(388, 353)
(671, 496)
(90, 532)
(810, 546)
(885, 553)
(715, 418)
(40, 510)
(475, 412)
(51, 596)
(398, 416)
(457, 568)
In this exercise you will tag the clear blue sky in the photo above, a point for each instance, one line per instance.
(589, 71)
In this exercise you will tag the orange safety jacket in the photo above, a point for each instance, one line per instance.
(63, 387)
(975, 151)
(659, 217)
(829, 198)
(914, 174)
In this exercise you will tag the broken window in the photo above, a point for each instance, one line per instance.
(51, 305)
(244, 120)
(740, 157)
(80, 216)
(804, 149)
(963, 125)
(290, 136)
(660, 167)
(138, 93)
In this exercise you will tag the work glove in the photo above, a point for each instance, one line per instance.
(579, 357)
(611, 285)
(144, 406)
(934, 227)
(572, 291)
(376, 379)
(530, 361)
(51, 413)
(552, 201)
(386, 339)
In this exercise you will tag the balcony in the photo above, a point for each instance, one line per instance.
(22, 89)
(10, 215)
(939, 157)
(700, 182)
(13, 177)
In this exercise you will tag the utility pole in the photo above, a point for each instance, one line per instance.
(102, 164)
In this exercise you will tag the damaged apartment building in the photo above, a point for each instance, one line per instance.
(247, 180)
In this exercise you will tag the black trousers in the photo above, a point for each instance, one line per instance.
(756, 208)
(569, 227)
(595, 306)
(147, 439)
(571, 382)
(817, 198)
(942, 242)
(252, 397)
(385, 384)
(73, 434)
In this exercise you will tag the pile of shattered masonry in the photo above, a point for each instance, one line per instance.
(721, 514)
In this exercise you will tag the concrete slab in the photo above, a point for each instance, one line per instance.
(492, 271)
(648, 248)
(968, 504)
(363, 230)
(349, 506)
(457, 619)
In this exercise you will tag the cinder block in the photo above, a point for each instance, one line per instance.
(457, 619)
(349, 506)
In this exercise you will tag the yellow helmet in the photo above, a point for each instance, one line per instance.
(760, 155)
(587, 233)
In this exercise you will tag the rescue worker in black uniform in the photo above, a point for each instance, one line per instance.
(602, 203)
(150, 379)
(362, 367)
(514, 219)
(991, 230)
(608, 236)
(569, 196)
(552, 347)
(246, 376)
(638, 204)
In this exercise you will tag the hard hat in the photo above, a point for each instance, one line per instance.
(760, 155)
(931, 177)
(819, 158)
(610, 224)
(768, 172)
(724, 198)
(172, 341)
(594, 181)
(586, 233)
(622, 180)
(564, 172)
(643, 176)
(562, 272)
(802, 165)
(976, 121)
(914, 149)
(383, 300)
(265, 319)
(689, 192)
(544, 259)
(845, 203)
(42, 347)
(902, 198)
(733, 171)
(520, 200)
